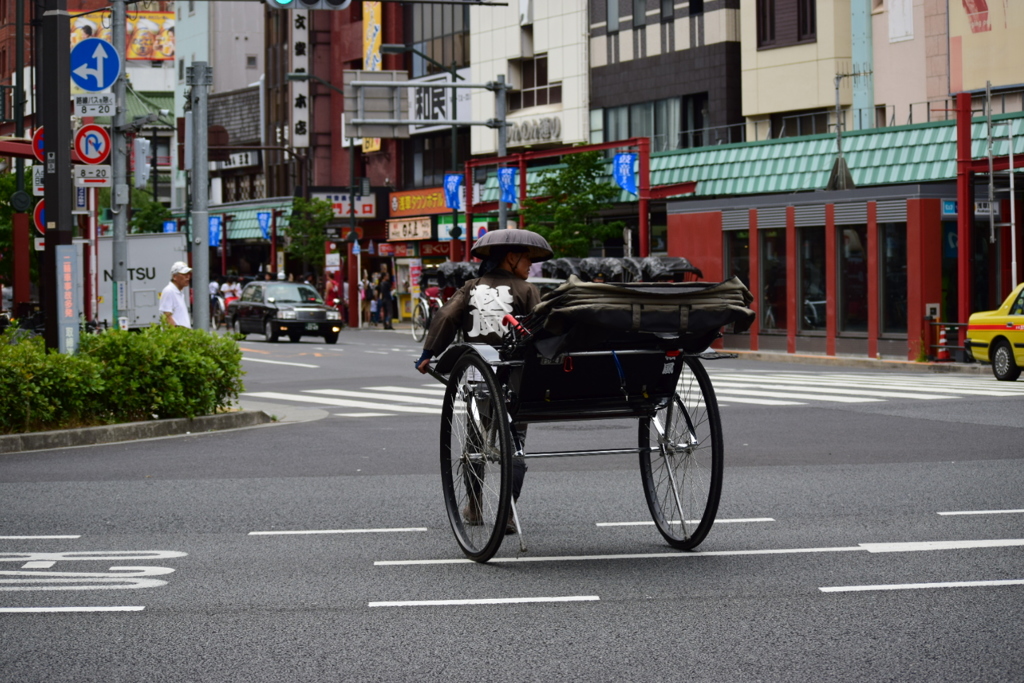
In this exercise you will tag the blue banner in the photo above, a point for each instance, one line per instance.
(452, 187)
(215, 231)
(507, 183)
(263, 218)
(622, 169)
(170, 226)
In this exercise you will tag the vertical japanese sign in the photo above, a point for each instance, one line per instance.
(372, 30)
(622, 171)
(300, 89)
(67, 318)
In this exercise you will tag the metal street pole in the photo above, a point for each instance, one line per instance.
(200, 77)
(499, 113)
(55, 69)
(120, 197)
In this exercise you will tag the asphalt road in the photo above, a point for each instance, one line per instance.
(832, 558)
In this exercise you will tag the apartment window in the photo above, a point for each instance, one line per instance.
(440, 32)
(250, 62)
(668, 10)
(639, 13)
(696, 7)
(695, 108)
(613, 16)
(535, 89)
(785, 22)
(658, 120)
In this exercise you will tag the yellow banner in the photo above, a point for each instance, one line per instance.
(149, 36)
(372, 30)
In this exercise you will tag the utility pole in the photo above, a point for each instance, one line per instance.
(21, 202)
(55, 70)
(120, 197)
(199, 79)
(499, 113)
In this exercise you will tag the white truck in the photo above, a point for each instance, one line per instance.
(150, 257)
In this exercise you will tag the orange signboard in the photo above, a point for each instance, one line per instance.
(418, 202)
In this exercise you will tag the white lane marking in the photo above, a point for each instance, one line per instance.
(755, 401)
(342, 403)
(482, 601)
(37, 565)
(279, 362)
(33, 538)
(941, 545)
(634, 556)
(869, 547)
(333, 531)
(913, 586)
(377, 353)
(900, 382)
(983, 512)
(692, 521)
(92, 555)
(418, 400)
(795, 394)
(804, 386)
(438, 391)
(365, 415)
(43, 610)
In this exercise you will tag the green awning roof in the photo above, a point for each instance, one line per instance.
(245, 225)
(919, 153)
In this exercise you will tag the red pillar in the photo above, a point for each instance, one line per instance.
(353, 287)
(755, 281)
(965, 211)
(792, 273)
(924, 270)
(20, 247)
(831, 302)
(644, 169)
(872, 258)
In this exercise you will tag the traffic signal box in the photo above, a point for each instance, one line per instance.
(309, 4)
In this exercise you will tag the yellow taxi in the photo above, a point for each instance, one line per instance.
(997, 337)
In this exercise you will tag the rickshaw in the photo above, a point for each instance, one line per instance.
(591, 351)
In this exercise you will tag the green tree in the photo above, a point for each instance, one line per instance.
(307, 231)
(567, 203)
(7, 256)
(148, 215)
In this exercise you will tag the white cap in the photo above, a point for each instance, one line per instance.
(180, 267)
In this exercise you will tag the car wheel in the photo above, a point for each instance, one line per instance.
(331, 337)
(1004, 366)
(294, 337)
(236, 328)
(269, 332)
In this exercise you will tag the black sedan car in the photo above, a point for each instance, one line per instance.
(276, 309)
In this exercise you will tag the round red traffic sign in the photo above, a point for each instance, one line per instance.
(92, 143)
(39, 217)
(37, 144)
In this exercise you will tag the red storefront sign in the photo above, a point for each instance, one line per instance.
(398, 249)
(428, 249)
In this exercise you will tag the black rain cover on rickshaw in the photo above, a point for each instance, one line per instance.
(608, 266)
(668, 268)
(561, 268)
(431, 277)
(456, 273)
(633, 267)
(580, 315)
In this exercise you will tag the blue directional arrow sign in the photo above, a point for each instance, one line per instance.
(95, 65)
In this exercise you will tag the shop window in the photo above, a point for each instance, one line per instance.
(535, 89)
(773, 279)
(893, 270)
(737, 255)
(853, 278)
(813, 285)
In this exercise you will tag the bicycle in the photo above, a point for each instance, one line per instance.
(423, 315)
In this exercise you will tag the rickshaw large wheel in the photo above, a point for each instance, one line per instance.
(681, 460)
(419, 322)
(476, 458)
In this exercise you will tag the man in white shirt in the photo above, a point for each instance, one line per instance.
(172, 300)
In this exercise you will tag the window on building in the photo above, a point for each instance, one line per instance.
(695, 108)
(892, 238)
(431, 157)
(639, 13)
(658, 120)
(250, 62)
(791, 124)
(785, 22)
(812, 283)
(668, 10)
(613, 16)
(696, 7)
(737, 255)
(442, 33)
(853, 278)
(535, 89)
(773, 279)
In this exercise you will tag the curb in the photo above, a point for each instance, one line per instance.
(131, 431)
(853, 362)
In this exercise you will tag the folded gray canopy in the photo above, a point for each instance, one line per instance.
(581, 313)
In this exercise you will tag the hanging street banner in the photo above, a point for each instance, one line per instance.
(622, 169)
(453, 197)
(263, 218)
(507, 183)
(215, 231)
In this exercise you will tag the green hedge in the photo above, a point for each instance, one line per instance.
(160, 372)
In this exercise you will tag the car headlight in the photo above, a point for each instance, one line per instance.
(286, 315)
(333, 315)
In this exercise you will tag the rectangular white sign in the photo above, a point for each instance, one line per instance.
(98, 175)
(100, 104)
(37, 180)
(409, 229)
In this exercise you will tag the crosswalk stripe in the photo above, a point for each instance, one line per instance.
(806, 397)
(439, 391)
(827, 390)
(754, 401)
(421, 400)
(900, 384)
(972, 383)
(343, 403)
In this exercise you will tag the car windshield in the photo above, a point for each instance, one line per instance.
(293, 294)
